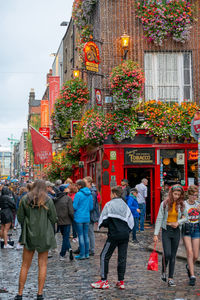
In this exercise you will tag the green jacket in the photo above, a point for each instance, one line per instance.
(37, 225)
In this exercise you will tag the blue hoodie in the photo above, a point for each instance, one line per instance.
(83, 204)
(133, 205)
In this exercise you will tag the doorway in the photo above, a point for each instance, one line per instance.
(134, 176)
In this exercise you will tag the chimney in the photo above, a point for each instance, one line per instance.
(31, 96)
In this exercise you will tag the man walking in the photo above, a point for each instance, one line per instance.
(141, 198)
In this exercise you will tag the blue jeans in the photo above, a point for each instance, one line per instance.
(142, 207)
(65, 230)
(74, 230)
(134, 228)
(82, 230)
(91, 237)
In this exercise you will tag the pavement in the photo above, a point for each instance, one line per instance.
(71, 280)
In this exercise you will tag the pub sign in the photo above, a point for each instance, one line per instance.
(92, 59)
(139, 156)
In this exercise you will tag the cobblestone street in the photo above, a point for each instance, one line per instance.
(71, 280)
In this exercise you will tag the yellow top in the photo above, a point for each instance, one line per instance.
(172, 214)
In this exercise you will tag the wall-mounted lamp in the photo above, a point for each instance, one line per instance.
(64, 23)
(76, 73)
(125, 44)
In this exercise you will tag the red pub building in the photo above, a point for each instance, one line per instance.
(172, 74)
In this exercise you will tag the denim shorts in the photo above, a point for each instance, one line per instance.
(192, 230)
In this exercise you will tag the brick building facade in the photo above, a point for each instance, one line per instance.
(110, 20)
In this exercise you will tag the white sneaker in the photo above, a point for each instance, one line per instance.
(62, 258)
(8, 246)
(19, 247)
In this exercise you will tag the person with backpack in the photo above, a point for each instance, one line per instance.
(117, 217)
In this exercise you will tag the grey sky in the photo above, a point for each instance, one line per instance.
(29, 32)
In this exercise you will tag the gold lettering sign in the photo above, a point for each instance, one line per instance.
(137, 156)
(193, 155)
(92, 59)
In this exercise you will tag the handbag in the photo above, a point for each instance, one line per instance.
(153, 260)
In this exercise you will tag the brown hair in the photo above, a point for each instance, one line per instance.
(192, 189)
(88, 179)
(38, 194)
(73, 189)
(29, 186)
(81, 183)
(117, 190)
(170, 200)
(22, 190)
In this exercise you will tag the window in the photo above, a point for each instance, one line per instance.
(168, 76)
(7, 162)
(173, 166)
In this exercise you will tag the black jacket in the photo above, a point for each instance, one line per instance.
(64, 209)
(6, 199)
(117, 229)
(94, 214)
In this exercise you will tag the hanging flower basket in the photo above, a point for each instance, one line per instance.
(81, 12)
(161, 19)
(127, 83)
(73, 96)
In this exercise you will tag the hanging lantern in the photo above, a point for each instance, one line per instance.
(166, 161)
(193, 168)
(76, 73)
(125, 41)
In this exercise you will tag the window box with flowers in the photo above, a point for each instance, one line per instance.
(164, 18)
(164, 120)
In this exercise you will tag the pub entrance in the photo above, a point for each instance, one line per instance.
(135, 175)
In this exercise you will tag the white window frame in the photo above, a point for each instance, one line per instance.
(180, 69)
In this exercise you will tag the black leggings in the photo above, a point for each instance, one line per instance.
(170, 242)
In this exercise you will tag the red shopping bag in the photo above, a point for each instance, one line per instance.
(153, 260)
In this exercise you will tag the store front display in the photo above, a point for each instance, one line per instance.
(142, 158)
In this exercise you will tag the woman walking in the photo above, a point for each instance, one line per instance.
(170, 217)
(191, 232)
(36, 213)
(83, 204)
(7, 206)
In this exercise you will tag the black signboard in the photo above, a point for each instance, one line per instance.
(139, 156)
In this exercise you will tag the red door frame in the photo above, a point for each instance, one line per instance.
(151, 168)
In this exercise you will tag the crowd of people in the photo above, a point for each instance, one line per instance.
(42, 208)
